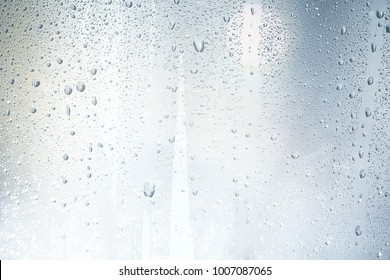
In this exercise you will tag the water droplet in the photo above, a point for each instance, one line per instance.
(295, 155)
(149, 189)
(343, 30)
(358, 230)
(252, 11)
(172, 25)
(94, 101)
(362, 173)
(72, 6)
(36, 83)
(59, 61)
(68, 90)
(93, 71)
(388, 28)
(199, 46)
(379, 13)
(367, 111)
(33, 110)
(65, 156)
(226, 18)
(172, 139)
(373, 47)
(370, 80)
(379, 255)
(67, 110)
(361, 153)
(80, 86)
(128, 4)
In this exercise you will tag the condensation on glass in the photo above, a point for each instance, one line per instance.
(194, 129)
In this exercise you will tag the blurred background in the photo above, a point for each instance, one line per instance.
(183, 129)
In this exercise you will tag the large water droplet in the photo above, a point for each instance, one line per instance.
(68, 90)
(343, 30)
(358, 230)
(36, 83)
(149, 189)
(379, 13)
(388, 28)
(128, 4)
(370, 81)
(80, 86)
(362, 173)
(367, 111)
(198, 45)
(373, 47)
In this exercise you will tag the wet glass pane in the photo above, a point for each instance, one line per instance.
(194, 129)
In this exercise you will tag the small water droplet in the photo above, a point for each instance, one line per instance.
(94, 101)
(93, 71)
(67, 110)
(362, 173)
(295, 155)
(370, 80)
(65, 156)
(226, 18)
(149, 189)
(59, 61)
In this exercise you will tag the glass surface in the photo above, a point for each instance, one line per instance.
(194, 129)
